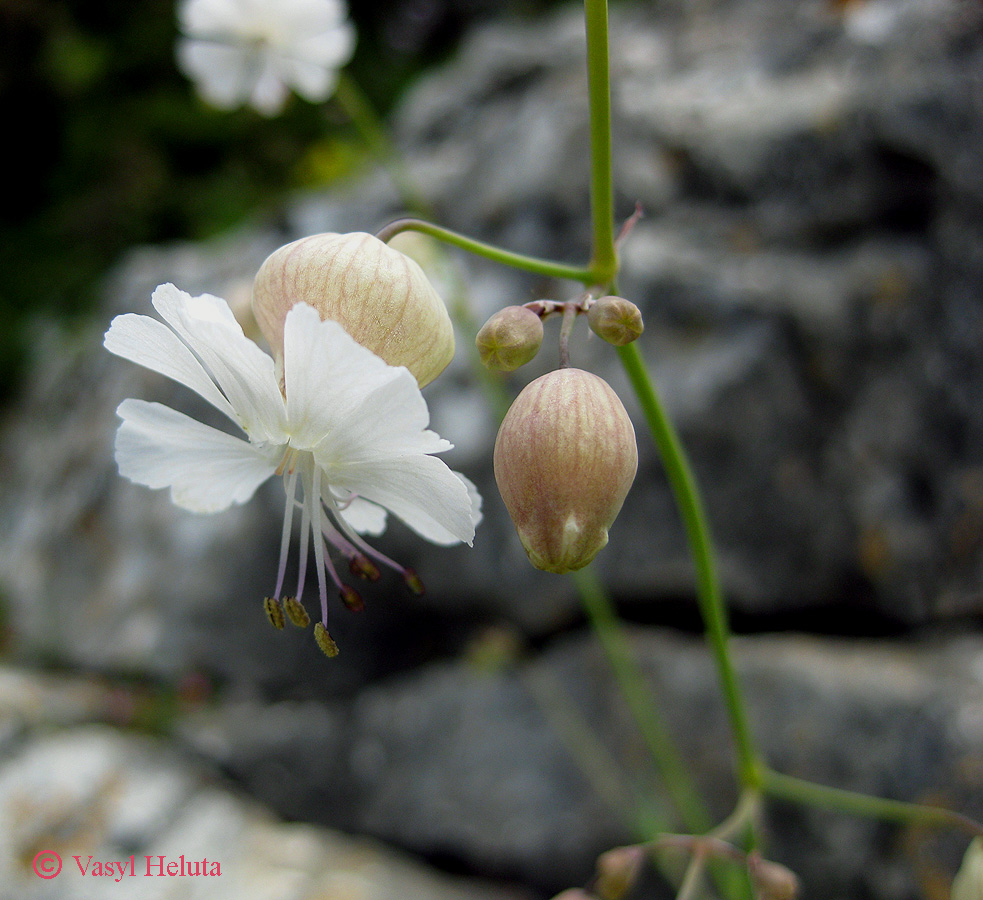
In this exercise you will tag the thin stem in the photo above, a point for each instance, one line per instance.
(537, 266)
(604, 259)
(693, 878)
(374, 133)
(796, 790)
(708, 588)
(566, 326)
(595, 760)
(640, 700)
(742, 818)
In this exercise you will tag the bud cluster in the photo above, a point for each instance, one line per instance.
(565, 456)
(512, 336)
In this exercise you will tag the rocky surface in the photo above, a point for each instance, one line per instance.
(70, 788)
(492, 768)
(810, 271)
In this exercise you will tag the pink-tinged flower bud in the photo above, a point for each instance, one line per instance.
(510, 338)
(615, 320)
(565, 458)
(618, 870)
(380, 297)
(771, 880)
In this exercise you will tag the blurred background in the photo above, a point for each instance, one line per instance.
(810, 269)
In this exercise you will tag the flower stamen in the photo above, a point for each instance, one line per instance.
(290, 487)
(353, 546)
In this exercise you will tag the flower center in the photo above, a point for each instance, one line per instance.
(322, 522)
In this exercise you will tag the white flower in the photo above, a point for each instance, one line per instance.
(254, 51)
(348, 433)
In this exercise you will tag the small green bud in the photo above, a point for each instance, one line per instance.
(618, 870)
(615, 320)
(565, 458)
(510, 338)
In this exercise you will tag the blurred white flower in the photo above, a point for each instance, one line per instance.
(348, 430)
(255, 51)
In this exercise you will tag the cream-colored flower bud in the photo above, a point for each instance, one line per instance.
(510, 338)
(380, 297)
(616, 320)
(969, 880)
(565, 458)
(618, 870)
(771, 880)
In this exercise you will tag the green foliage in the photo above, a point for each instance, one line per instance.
(110, 147)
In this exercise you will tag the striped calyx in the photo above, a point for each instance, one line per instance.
(565, 458)
(378, 295)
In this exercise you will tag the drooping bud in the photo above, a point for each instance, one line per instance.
(510, 338)
(380, 296)
(615, 320)
(295, 612)
(618, 870)
(771, 880)
(273, 612)
(565, 458)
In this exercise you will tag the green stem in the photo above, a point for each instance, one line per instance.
(374, 133)
(628, 674)
(796, 790)
(708, 588)
(604, 258)
(548, 267)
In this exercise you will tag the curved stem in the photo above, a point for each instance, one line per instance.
(583, 274)
(708, 588)
(796, 790)
(640, 700)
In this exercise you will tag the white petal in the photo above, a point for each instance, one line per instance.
(344, 401)
(327, 375)
(364, 517)
(269, 93)
(150, 343)
(243, 371)
(223, 74)
(312, 81)
(433, 531)
(206, 469)
(421, 490)
(207, 18)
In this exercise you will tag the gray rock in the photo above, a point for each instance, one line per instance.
(810, 278)
(534, 769)
(101, 795)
